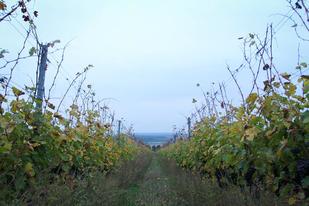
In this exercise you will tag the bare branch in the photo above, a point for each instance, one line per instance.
(237, 84)
(10, 13)
(16, 62)
(56, 75)
(299, 15)
(78, 75)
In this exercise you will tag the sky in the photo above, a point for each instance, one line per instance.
(149, 55)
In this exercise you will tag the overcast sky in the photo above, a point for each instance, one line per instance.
(150, 54)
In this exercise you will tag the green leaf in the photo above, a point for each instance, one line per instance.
(66, 167)
(306, 120)
(52, 44)
(32, 51)
(276, 84)
(7, 147)
(252, 43)
(304, 64)
(306, 86)
(290, 89)
(20, 182)
(305, 182)
(29, 169)
(252, 98)
(286, 190)
(17, 92)
(2, 52)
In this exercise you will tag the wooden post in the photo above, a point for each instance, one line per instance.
(189, 127)
(119, 128)
(42, 72)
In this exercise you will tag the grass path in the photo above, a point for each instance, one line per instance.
(163, 183)
(148, 180)
(155, 188)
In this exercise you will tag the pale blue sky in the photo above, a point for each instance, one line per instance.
(149, 54)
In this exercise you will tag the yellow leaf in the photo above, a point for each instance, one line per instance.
(29, 169)
(252, 98)
(292, 201)
(58, 116)
(286, 76)
(17, 92)
(251, 133)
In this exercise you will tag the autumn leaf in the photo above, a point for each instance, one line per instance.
(2, 98)
(58, 116)
(251, 133)
(286, 76)
(305, 77)
(2, 5)
(51, 106)
(252, 98)
(292, 201)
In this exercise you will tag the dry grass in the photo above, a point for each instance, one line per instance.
(197, 191)
(149, 180)
(116, 188)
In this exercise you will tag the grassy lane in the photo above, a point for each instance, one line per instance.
(149, 180)
(155, 189)
(167, 184)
